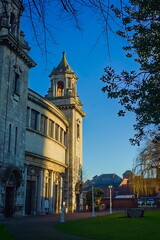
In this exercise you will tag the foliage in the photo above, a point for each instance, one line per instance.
(138, 92)
(116, 226)
(98, 194)
(146, 178)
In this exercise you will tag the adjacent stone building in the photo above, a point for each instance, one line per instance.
(41, 137)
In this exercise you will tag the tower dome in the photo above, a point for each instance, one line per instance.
(63, 67)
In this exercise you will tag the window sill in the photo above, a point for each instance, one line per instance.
(16, 97)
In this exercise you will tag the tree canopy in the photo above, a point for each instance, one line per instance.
(146, 178)
(98, 194)
(138, 92)
(148, 161)
(139, 22)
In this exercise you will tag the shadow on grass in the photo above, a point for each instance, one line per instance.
(3, 233)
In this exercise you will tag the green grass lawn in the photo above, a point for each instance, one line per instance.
(115, 227)
(3, 233)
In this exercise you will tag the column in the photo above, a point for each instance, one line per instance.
(51, 206)
(62, 218)
(54, 191)
(61, 193)
(58, 196)
(39, 191)
(43, 191)
(25, 186)
(54, 90)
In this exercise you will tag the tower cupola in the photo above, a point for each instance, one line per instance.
(63, 89)
(63, 94)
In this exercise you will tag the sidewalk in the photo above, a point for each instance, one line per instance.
(42, 227)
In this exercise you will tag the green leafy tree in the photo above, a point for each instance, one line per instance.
(98, 194)
(138, 92)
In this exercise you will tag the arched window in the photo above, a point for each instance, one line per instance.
(60, 89)
(12, 23)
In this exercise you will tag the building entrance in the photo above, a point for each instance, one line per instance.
(9, 201)
(30, 198)
(77, 202)
(13, 179)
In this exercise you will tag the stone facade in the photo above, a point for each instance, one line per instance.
(41, 138)
(63, 94)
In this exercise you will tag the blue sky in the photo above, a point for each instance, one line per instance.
(106, 147)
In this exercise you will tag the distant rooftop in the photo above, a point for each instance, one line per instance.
(105, 180)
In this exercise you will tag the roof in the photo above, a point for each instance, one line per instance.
(127, 172)
(63, 66)
(105, 180)
(124, 182)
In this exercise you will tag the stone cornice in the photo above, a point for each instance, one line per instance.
(72, 106)
(43, 158)
(18, 48)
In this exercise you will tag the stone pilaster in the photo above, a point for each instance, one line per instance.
(51, 206)
(25, 186)
(39, 191)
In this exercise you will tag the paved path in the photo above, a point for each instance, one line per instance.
(42, 227)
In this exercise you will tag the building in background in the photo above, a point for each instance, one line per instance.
(104, 180)
(41, 137)
(113, 186)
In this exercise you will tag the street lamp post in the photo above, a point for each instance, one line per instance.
(93, 210)
(110, 198)
(62, 216)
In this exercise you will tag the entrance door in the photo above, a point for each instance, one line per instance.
(55, 199)
(30, 197)
(77, 202)
(9, 202)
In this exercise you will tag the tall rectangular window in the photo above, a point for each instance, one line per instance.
(17, 84)
(43, 124)
(28, 116)
(9, 138)
(65, 139)
(61, 135)
(69, 82)
(78, 131)
(51, 128)
(15, 142)
(57, 132)
(34, 119)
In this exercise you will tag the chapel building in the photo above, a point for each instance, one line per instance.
(41, 137)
